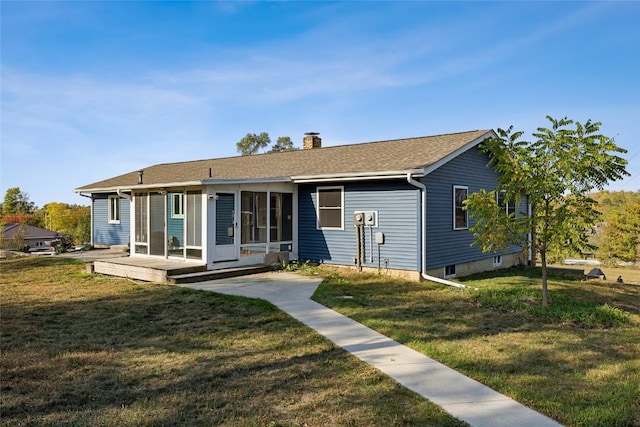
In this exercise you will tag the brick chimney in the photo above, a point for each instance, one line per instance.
(311, 140)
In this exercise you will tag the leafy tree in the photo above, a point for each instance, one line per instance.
(72, 220)
(20, 218)
(620, 240)
(15, 201)
(252, 143)
(556, 173)
(283, 144)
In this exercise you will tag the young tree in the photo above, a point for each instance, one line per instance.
(253, 143)
(555, 173)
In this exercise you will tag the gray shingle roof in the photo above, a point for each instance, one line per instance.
(366, 158)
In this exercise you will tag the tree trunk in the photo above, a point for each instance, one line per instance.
(534, 250)
(545, 294)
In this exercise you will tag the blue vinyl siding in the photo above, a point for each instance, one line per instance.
(175, 226)
(105, 233)
(397, 204)
(444, 244)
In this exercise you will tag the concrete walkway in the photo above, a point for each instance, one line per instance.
(462, 397)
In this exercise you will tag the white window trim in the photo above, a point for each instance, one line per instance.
(173, 205)
(497, 260)
(110, 209)
(337, 187)
(448, 276)
(466, 213)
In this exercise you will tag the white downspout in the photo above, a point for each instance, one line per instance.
(121, 194)
(423, 236)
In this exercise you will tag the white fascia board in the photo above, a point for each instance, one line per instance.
(138, 187)
(213, 181)
(456, 153)
(357, 176)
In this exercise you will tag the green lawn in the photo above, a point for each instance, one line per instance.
(577, 361)
(81, 350)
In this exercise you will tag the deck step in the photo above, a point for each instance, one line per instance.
(203, 276)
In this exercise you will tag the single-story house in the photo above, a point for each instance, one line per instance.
(17, 236)
(393, 205)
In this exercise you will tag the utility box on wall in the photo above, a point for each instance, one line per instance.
(358, 218)
(366, 218)
(371, 218)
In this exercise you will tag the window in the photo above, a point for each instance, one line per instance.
(177, 205)
(497, 260)
(450, 270)
(460, 216)
(114, 210)
(330, 204)
(508, 206)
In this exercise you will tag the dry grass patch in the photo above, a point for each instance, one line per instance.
(82, 349)
(580, 368)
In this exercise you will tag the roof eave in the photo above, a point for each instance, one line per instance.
(212, 181)
(357, 176)
(136, 187)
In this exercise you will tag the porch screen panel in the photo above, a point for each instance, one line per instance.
(140, 223)
(157, 207)
(175, 224)
(281, 221)
(254, 217)
(141, 218)
(194, 224)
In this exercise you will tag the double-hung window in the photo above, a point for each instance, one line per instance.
(460, 216)
(330, 207)
(508, 205)
(114, 210)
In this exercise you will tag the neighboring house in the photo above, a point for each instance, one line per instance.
(304, 205)
(17, 236)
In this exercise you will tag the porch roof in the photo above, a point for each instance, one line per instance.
(373, 159)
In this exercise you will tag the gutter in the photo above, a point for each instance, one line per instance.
(356, 176)
(423, 236)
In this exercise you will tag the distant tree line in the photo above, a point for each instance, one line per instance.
(73, 221)
(618, 232)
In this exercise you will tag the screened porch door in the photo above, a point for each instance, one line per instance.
(226, 248)
(157, 215)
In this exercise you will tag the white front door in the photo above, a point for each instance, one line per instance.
(226, 248)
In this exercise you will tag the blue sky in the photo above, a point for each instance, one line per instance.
(91, 90)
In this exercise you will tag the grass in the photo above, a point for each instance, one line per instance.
(80, 349)
(577, 361)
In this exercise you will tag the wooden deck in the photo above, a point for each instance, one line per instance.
(169, 271)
